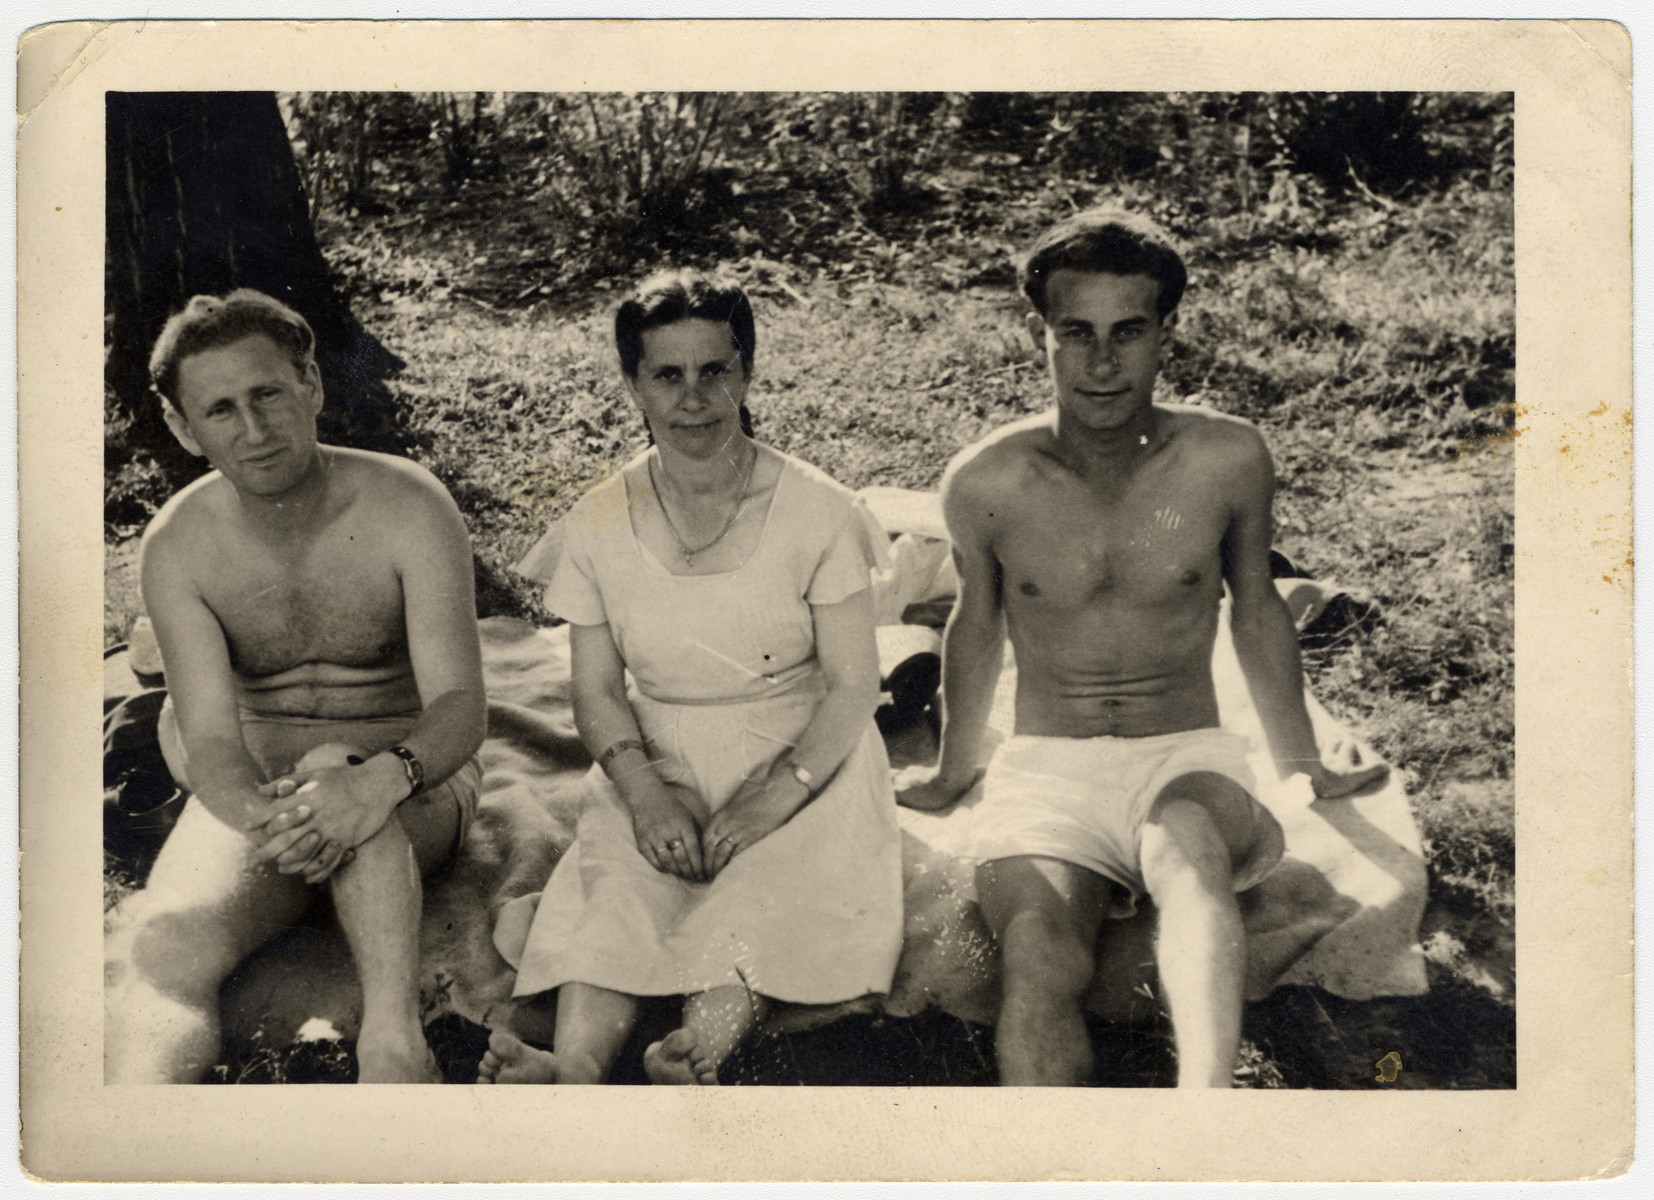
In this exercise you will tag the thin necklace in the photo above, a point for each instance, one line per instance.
(683, 546)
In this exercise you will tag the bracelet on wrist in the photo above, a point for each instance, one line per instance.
(616, 749)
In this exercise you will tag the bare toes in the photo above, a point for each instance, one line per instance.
(668, 1060)
(518, 1062)
(680, 1043)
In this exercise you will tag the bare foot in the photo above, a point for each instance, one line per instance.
(511, 1060)
(1345, 771)
(396, 1062)
(923, 789)
(678, 1058)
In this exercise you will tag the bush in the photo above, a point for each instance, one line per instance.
(1390, 142)
(630, 166)
(871, 146)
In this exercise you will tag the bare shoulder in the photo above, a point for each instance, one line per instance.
(998, 460)
(1208, 427)
(183, 527)
(1217, 438)
(396, 485)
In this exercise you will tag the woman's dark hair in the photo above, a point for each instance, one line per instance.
(672, 296)
(1111, 241)
(208, 322)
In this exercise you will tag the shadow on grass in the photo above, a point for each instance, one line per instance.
(1456, 1036)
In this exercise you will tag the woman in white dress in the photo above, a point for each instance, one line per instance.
(739, 845)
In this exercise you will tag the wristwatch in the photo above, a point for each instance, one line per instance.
(412, 767)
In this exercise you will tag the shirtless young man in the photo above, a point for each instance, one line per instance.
(314, 608)
(1101, 536)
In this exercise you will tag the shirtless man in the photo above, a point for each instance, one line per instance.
(1100, 536)
(315, 612)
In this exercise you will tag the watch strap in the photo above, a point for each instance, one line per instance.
(412, 767)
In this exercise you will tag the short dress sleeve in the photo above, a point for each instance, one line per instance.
(573, 593)
(846, 566)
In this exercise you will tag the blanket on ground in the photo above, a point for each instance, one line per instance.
(1341, 911)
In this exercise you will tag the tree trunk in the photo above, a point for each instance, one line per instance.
(202, 196)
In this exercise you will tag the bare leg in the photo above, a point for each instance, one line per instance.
(1045, 914)
(378, 899)
(592, 1026)
(715, 1022)
(1200, 825)
(169, 947)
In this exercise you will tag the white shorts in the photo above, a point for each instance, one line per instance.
(1085, 801)
(278, 743)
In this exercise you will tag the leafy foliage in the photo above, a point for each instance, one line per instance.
(632, 164)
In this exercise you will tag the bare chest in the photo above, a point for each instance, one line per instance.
(331, 602)
(1065, 546)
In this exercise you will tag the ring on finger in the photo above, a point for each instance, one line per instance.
(674, 843)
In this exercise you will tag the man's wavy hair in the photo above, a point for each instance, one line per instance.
(1112, 241)
(208, 322)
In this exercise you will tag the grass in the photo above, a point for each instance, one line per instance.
(1371, 339)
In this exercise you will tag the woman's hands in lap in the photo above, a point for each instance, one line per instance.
(762, 804)
(676, 835)
(667, 824)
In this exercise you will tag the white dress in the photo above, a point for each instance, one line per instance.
(724, 679)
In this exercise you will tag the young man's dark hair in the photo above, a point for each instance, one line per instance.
(1106, 240)
(208, 322)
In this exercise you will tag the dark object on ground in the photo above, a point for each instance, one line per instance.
(1282, 567)
(140, 800)
(1346, 618)
(458, 1045)
(912, 685)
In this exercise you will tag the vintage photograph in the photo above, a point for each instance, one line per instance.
(824, 588)
(820, 577)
